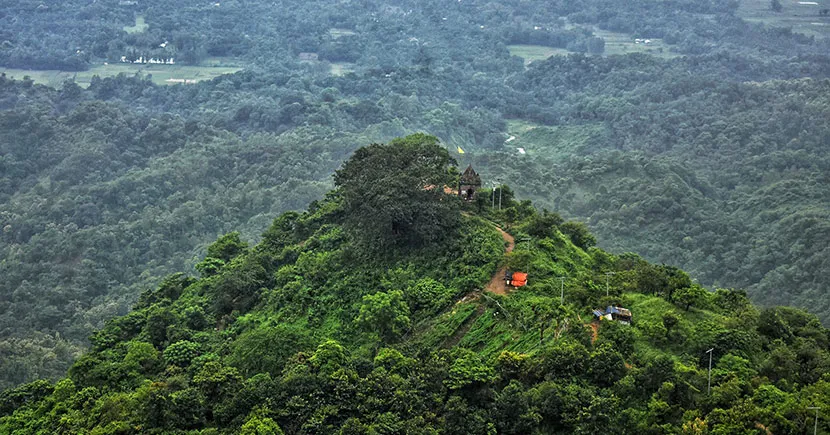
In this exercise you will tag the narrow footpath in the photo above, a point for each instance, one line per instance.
(497, 284)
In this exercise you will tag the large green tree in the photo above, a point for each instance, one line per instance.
(394, 193)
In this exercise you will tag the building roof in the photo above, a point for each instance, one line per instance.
(519, 277)
(613, 310)
(618, 310)
(470, 177)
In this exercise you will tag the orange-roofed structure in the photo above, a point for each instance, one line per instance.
(516, 279)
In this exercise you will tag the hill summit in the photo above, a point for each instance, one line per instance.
(383, 309)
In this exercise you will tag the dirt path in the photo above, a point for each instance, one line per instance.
(496, 284)
(594, 331)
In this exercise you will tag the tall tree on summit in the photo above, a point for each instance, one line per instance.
(394, 193)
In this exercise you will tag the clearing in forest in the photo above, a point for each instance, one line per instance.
(553, 141)
(623, 43)
(160, 74)
(800, 16)
(341, 68)
(139, 27)
(337, 32)
(532, 53)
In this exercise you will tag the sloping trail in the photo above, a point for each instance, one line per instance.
(497, 284)
(594, 331)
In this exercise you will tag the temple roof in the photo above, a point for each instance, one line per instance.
(470, 176)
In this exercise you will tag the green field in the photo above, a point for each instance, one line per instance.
(161, 74)
(551, 140)
(622, 43)
(800, 18)
(339, 33)
(341, 68)
(224, 62)
(139, 27)
(531, 53)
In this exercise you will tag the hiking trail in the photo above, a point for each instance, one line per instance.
(497, 284)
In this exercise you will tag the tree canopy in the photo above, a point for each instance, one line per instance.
(393, 194)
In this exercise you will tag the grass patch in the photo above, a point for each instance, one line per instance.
(340, 32)
(490, 334)
(800, 18)
(553, 141)
(434, 332)
(161, 74)
(221, 61)
(532, 53)
(520, 126)
(139, 27)
(341, 68)
(623, 43)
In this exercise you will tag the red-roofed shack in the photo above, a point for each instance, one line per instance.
(515, 279)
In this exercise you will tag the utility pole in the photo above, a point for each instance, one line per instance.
(501, 187)
(815, 424)
(607, 276)
(709, 387)
(493, 196)
(562, 290)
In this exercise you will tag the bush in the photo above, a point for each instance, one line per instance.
(181, 353)
(579, 234)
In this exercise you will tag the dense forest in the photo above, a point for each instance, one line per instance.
(364, 315)
(706, 155)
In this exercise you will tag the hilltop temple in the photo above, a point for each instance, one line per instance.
(469, 184)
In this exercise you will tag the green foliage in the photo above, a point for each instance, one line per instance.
(209, 266)
(143, 357)
(109, 184)
(393, 194)
(258, 423)
(563, 360)
(23, 395)
(468, 370)
(427, 295)
(715, 162)
(385, 313)
(227, 247)
(579, 234)
(544, 225)
(266, 349)
(309, 355)
(214, 379)
(606, 365)
(691, 296)
(181, 353)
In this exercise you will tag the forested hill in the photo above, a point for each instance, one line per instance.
(365, 315)
(702, 149)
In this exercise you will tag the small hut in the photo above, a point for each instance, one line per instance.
(469, 184)
(619, 314)
(515, 279)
